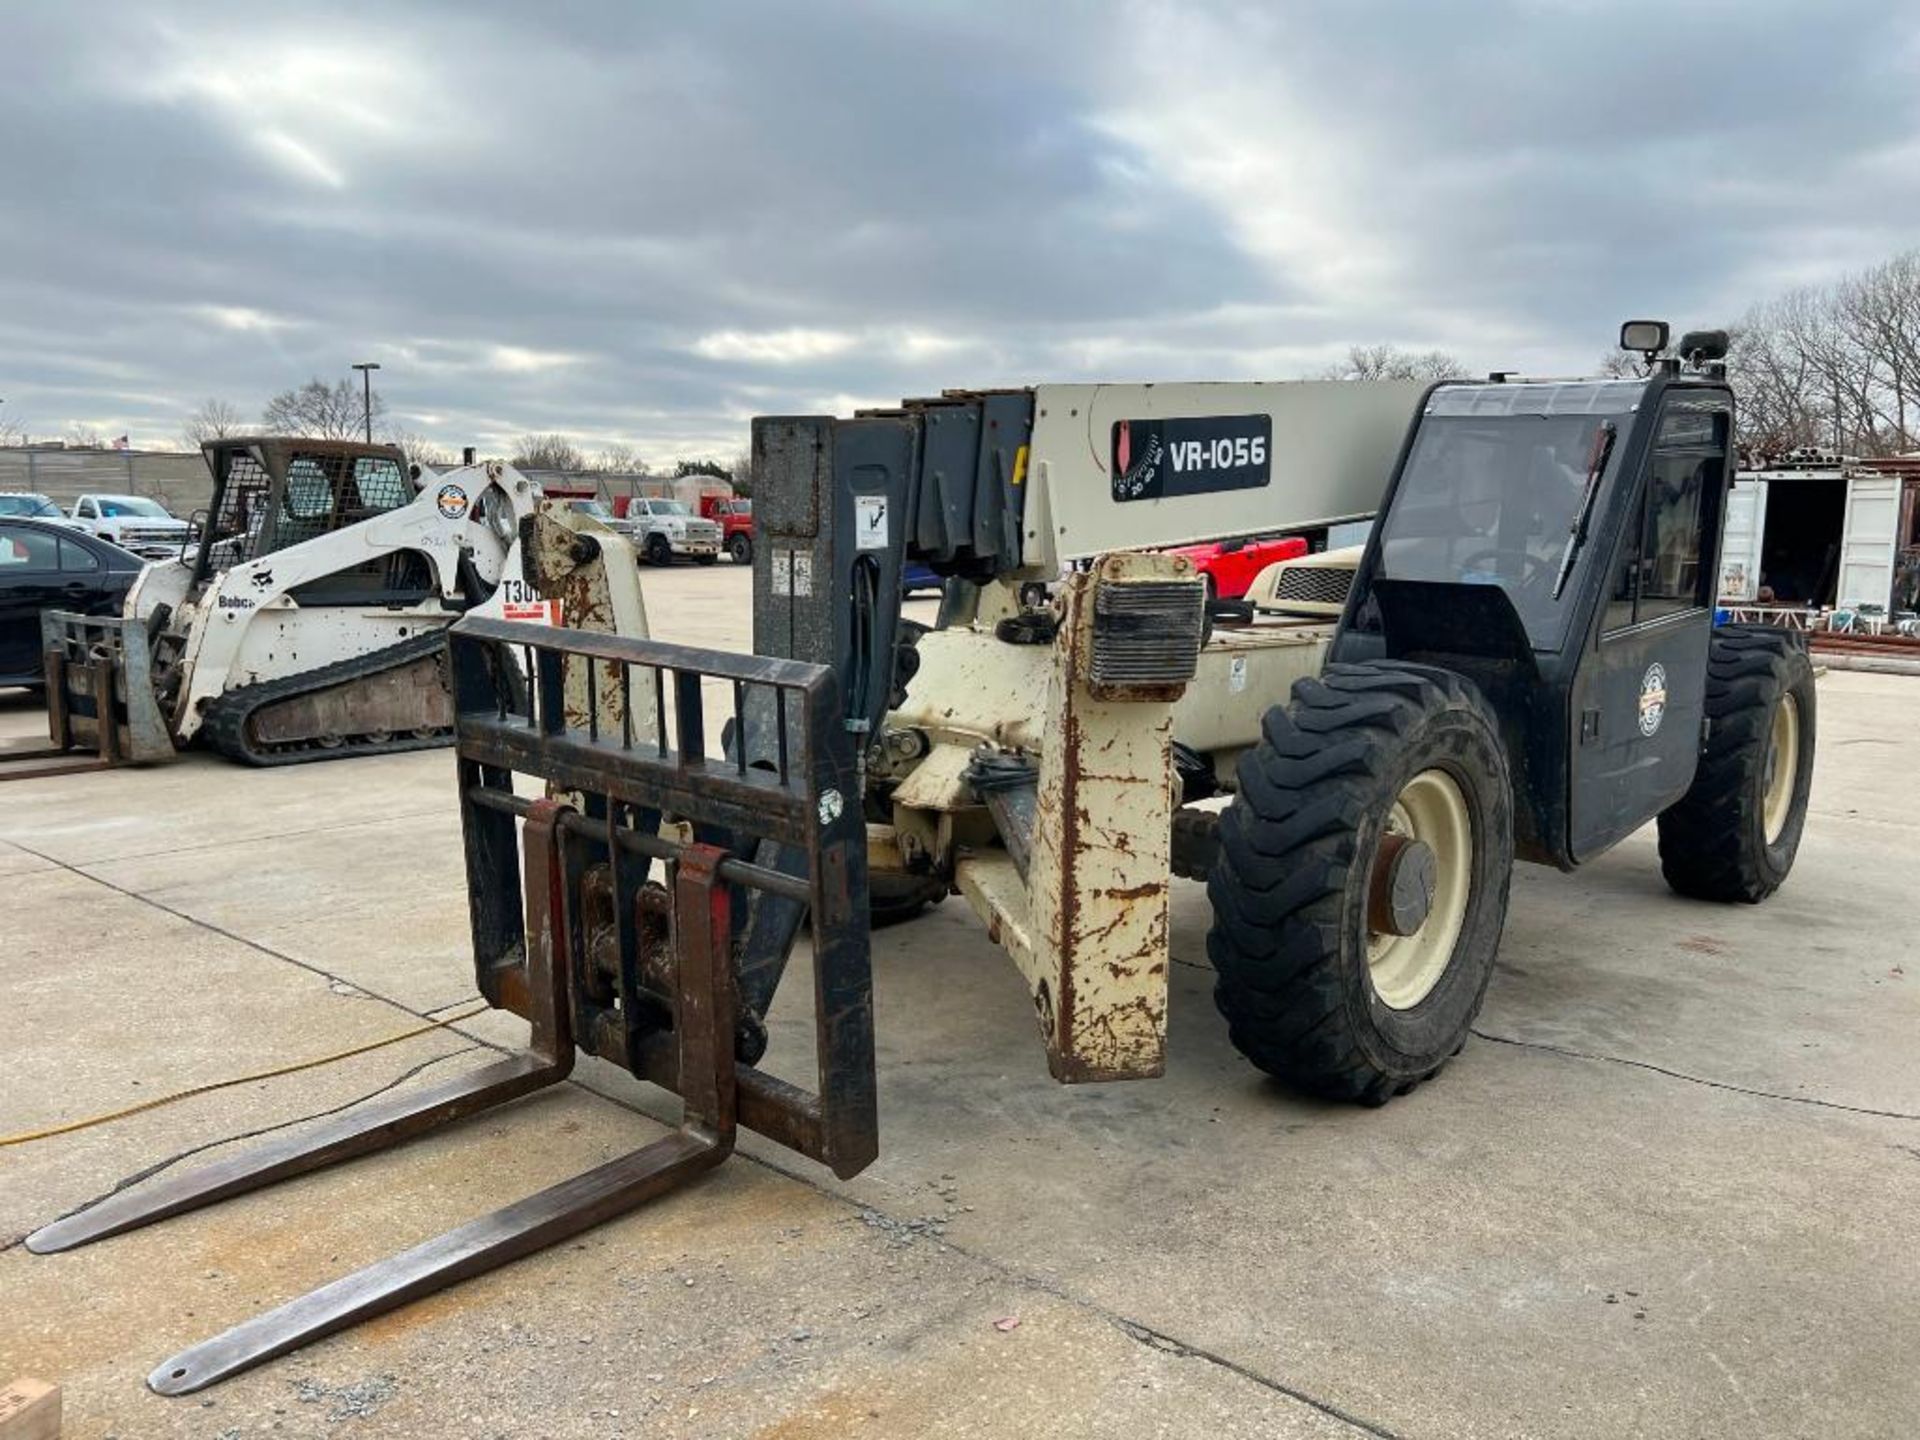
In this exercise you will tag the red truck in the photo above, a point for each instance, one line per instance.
(1229, 566)
(734, 516)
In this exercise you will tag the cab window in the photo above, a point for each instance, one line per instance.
(1661, 568)
(382, 484)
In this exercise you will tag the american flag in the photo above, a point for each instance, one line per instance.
(121, 443)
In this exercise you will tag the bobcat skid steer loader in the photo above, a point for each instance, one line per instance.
(306, 622)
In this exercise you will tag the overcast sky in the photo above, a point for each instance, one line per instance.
(646, 223)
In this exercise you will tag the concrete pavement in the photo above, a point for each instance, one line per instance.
(1672, 1190)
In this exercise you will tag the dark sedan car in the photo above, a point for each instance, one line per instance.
(45, 565)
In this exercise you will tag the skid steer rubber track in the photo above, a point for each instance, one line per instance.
(230, 719)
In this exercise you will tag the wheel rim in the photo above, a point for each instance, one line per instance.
(1430, 809)
(1783, 767)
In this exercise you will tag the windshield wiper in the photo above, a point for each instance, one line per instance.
(1577, 532)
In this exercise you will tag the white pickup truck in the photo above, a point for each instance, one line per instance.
(134, 523)
(669, 530)
(660, 531)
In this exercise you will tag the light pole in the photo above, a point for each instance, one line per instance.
(366, 369)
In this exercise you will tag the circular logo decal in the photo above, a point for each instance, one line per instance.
(452, 501)
(1653, 698)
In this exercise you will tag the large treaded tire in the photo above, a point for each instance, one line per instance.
(1290, 884)
(1713, 843)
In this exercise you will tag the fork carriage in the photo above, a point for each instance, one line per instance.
(607, 912)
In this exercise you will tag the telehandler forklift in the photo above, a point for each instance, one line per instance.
(1521, 663)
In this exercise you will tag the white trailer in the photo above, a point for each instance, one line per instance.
(1814, 530)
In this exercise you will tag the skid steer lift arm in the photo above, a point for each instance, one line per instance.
(572, 930)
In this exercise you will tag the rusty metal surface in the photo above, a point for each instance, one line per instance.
(642, 789)
(1101, 866)
(640, 795)
(571, 931)
(39, 762)
(387, 702)
(100, 695)
(589, 568)
(702, 1014)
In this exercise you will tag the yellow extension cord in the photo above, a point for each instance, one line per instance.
(27, 1137)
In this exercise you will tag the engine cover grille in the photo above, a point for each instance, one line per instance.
(1146, 633)
(1314, 584)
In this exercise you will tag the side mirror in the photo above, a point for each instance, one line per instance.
(1648, 337)
(1702, 347)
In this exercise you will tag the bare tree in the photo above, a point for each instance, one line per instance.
(1878, 313)
(1620, 365)
(12, 434)
(214, 420)
(1836, 366)
(322, 411)
(619, 458)
(1776, 387)
(85, 437)
(742, 466)
(419, 450)
(1389, 362)
(548, 452)
(1812, 325)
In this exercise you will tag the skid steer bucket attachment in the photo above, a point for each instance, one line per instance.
(573, 931)
(101, 709)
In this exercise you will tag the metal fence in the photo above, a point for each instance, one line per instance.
(178, 480)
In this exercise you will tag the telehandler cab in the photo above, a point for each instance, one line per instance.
(1522, 662)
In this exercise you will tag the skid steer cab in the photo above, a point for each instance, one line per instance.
(307, 622)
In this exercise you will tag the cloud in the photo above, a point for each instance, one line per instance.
(520, 360)
(244, 318)
(650, 224)
(773, 347)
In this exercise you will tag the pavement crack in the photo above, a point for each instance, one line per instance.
(1710, 1084)
(397, 815)
(1135, 1330)
(1167, 1344)
(192, 1150)
(339, 984)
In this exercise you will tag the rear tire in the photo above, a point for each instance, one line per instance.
(740, 550)
(894, 897)
(1733, 836)
(1316, 987)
